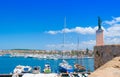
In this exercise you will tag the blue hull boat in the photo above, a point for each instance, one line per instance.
(64, 67)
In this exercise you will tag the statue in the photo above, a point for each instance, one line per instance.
(99, 23)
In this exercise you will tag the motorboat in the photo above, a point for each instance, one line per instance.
(36, 70)
(64, 67)
(47, 68)
(22, 69)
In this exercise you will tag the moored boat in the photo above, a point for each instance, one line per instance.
(79, 68)
(47, 68)
(36, 70)
(22, 69)
(64, 67)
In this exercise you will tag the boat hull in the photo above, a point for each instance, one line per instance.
(65, 70)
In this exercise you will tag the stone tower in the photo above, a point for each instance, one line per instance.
(99, 34)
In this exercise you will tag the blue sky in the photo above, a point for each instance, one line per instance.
(38, 24)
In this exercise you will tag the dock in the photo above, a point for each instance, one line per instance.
(60, 75)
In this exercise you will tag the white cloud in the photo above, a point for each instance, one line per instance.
(110, 22)
(112, 33)
(114, 29)
(112, 40)
(86, 30)
(114, 21)
(81, 30)
(52, 32)
(117, 19)
(73, 46)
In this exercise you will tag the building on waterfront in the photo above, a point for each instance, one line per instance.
(99, 34)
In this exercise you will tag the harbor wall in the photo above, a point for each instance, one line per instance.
(103, 54)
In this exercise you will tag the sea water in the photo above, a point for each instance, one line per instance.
(7, 63)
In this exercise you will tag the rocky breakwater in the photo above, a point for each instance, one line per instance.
(109, 69)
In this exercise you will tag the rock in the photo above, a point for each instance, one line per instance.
(110, 69)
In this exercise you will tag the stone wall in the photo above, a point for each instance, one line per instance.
(105, 53)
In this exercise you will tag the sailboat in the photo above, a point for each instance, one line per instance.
(64, 66)
(77, 66)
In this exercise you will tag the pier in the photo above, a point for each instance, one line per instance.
(82, 74)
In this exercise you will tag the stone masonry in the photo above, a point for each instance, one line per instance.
(105, 53)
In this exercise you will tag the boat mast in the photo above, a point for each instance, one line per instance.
(64, 32)
(64, 35)
(77, 48)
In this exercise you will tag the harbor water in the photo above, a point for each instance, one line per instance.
(7, 63)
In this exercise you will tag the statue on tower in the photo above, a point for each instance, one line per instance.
(99, 23)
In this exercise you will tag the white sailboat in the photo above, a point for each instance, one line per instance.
(64, 66)
(77, 66)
